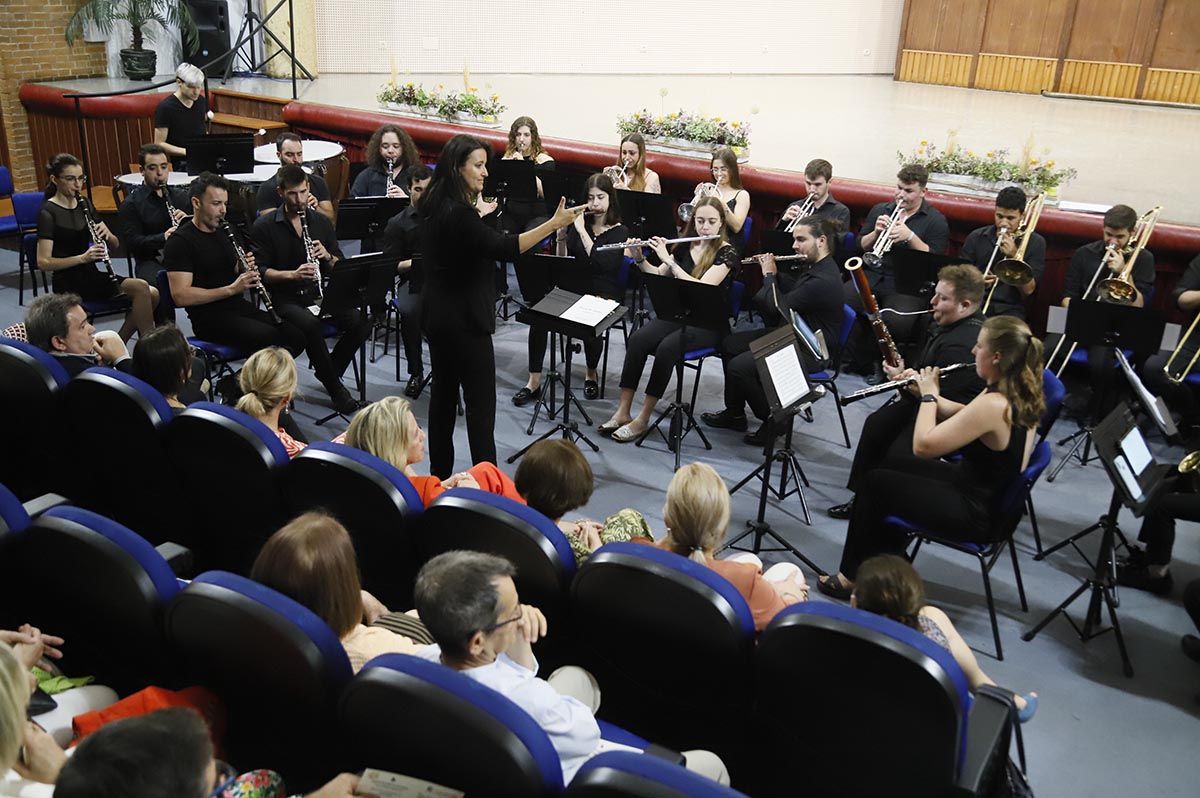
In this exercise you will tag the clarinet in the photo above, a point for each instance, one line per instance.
(310, 254)
(243, 265)
(94, 230)
(389, 182)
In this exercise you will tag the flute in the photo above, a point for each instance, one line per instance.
(778, 258)
(893, 385)
(645, 242)
(243, 265)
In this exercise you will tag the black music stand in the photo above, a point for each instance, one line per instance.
(537, 275)
(366, 217)
(559, 184)
(360, 282)
(221, 153)
(777, 242)
(777, 355)
(646, 215)
(1137, 481)
(916, 272)
(689, 304)
(1094, 323)
(509, 180)
(548, 314)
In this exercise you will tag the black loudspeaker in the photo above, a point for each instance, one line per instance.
(212, 25)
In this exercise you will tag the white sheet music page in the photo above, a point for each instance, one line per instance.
(392, 785)
(589, 310)
(787, 374)
(1133, 446)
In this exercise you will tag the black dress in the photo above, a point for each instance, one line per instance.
(68, 229)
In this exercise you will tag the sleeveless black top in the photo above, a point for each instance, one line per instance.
(986, 472)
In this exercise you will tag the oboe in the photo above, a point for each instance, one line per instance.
(97, 238)
(894, 385)
(244, 266)
(310, 254)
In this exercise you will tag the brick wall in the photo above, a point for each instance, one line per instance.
(32, 47)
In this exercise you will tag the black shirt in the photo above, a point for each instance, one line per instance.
(1190, 281)
(75, 365)
(268, 192)
(831, 209)
(606, 266)
(372, 182)
(278, 246)
(143, 218)
(211, 260)
(400, 236)
(928, 224)
(182, 123)
(945, 346)
(1085, 262)
(68, 229)
(1007, 299)
(816, 294)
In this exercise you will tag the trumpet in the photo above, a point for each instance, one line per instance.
(895, 385)
(310, 253)
(645, 242)
(806, 209)
(1120, 289)
(616, 173)
(243, 265)
(883, 243)
(1014, 270)
(702, 190)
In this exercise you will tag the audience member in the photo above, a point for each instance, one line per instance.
(469, 603)
(163, 359)
(25, 748)
(58, 324)
(268, 381)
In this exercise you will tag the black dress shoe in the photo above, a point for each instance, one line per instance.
(344, 403)
(875, 377)
(841, 511)
(591, 389)
(413, 389)
(525, 396)
(723, 419)
(758, 437)
(1140, 578)
(1191, 646)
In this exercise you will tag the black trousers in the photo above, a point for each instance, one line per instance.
(1191, 601)
(538, 341)
(327, 366)
(466, 361)
(930, 498)
(667, 342)
(862, 352)
(242, 325)
(742, 383)
(1158, 526)
(885, 442)
(1180, 397)
(409, 307)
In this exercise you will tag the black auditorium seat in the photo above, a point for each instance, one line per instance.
(29, 381)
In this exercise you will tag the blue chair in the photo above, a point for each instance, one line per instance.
(1009, 510)
(624, 280)
(659, 631)
(217, 357)
(624, 774)
(1055, 392)
(31, 379)
(8, 222)
(747, 228)
(26, 206)
(373, 500)
(894, 709)
(278, 668)
(228, 463)
(14, 518)
(829, 378)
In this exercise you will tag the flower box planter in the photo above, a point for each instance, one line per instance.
(972, 186)
(459, 117)
(692, 149)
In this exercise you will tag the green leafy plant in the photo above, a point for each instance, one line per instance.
(443, 104)
(141, 15)
(1035, 174)
(684, 125)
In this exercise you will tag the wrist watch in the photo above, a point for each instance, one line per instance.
(928, 397)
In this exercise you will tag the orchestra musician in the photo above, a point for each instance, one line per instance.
(818, 174)
(599, 225)
(1178, 395)
(994, 432)
(182, 115)
(206, 277)
(636, 175)
(390, 151)
(291, 273)
(401, 240)
(67, 248)
(458, 298)
(148, 215)
(814, 291)
(290, 149)
(886, 434)
(727, 187)
(712, 262)
(980, 248)
(525, 143)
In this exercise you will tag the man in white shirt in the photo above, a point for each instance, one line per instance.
(469, 603)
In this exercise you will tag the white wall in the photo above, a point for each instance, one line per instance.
(590, 36)
(166, 43)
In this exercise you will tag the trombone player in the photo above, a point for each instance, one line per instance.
(1164, 374)
(989, 245)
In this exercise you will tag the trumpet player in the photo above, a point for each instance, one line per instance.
(727, 187)
(291, 268)
(986, 246)
(151, 212)
(1168, 382)
(817, 199)
(637, 176)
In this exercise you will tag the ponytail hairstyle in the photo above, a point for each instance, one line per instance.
(637, 171)
(697, 511)
(1020, 368)
(267, 380)
(711, 248)
(888, 585)
(381, 429)
(54, 168)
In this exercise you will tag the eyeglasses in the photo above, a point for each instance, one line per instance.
(499, 624)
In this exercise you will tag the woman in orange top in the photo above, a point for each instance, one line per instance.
(696, 515)
(389, 430)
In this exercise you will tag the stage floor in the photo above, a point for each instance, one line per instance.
(1126, 153)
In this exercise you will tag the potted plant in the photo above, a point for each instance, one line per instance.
(137, 62)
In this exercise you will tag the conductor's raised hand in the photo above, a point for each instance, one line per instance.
(564, 216)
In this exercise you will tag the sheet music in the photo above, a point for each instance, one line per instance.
(1154, 405)
(787, 375)
(589, 310)
(1133, 446)
(1056, 319)
(1128, 479)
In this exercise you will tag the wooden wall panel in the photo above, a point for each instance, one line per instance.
(1116, 31)
(240, 104)
(1178, 43)
(1015, 73)
(1027, 28)
(945, 26)
(1172, 85)
(943, 69)
(112, 143)
(1099, 78)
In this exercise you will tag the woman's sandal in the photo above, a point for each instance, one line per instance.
(834, 588)
(625, 434)
(609, 427)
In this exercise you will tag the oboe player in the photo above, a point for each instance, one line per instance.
(291, 274)
(818, 174)
(887, 433)
(206, 279)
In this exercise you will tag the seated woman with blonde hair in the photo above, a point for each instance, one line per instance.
(268, 382)
(389, 430)
(312, 561)
(696, 516)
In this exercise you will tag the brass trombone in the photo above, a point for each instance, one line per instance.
(1015, 271)
(1178, 378)
(1087, 291)
(1120, 289)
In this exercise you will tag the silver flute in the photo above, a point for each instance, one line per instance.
(310, 253)
(243, 265)
(645, 242)
(895, 385)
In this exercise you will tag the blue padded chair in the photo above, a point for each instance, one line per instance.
(227, 462)
(628, 321)
(8, 223)
(129, 442)
(658, 631)
(1055, 392)
(29, 382)
(894, 709)
(278, 668)
(624, 774)
(1009, 510)
(217, 357)
(373, 500)
(829, 378)
(747, 229)
(102, 588)
(14, 518)
(26, 206)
